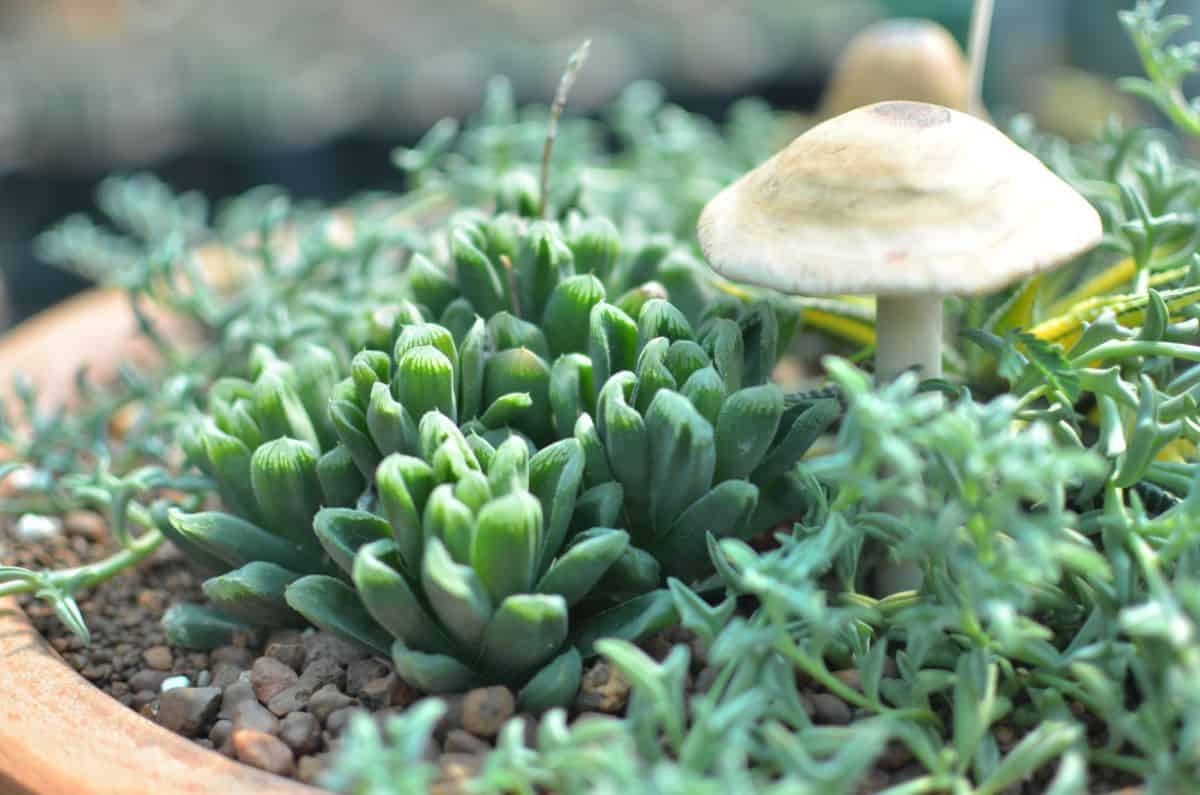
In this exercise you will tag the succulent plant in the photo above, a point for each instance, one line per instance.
(477, 560)
(509, 263)
(691, 428)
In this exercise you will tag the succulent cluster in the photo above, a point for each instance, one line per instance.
(453, 501)
(476, 560)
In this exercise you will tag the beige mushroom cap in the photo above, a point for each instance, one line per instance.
(895, 199)
(908, 59)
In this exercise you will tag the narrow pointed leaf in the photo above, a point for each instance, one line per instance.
(333, 606)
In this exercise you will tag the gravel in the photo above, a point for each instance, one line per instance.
(280, 703)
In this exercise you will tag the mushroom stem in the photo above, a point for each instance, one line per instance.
(977, 47)
(908, 333)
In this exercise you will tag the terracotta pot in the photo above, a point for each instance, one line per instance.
(59, 735)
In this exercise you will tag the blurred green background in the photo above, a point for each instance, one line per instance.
(219, 96)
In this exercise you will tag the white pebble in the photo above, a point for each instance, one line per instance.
(173, 682)
(36, 527)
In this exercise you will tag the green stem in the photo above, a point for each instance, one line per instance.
(93, 573)
(1128, 764)
(1119, 349)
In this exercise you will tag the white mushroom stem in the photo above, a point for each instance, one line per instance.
(908, 333)
(977, 48)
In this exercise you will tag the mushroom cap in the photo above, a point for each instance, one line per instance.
(894, 199)
(898, 59)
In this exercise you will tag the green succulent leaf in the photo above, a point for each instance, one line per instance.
(456, 594)
(331, 605)
(706, 390)
(509, 469)
(341, 481)
(507, 331)
(254, 594)
(450, 520)
(571, 391)
(421, 334)
(660, 318)
(578, 570)
(566, 319)
(404, 484)
(229, 465)
(471, 368)
(507, 543)
(683, 457)
(596, 244)
(238, 542)
(351, 426)
(342, 531)
(724, 343)
(368, 368)
(389, 423)
(506, 410)
(555, 475)
(727, 510)
(556, 685)
(805, 429)
(432, 673)
(612, 343)
(522, 370)
(283, 473)
(637, 618)
(389, 597)
(596, 468)
(598, 506)
(192, 626)
(526, 631)
(430, 285)
(280, 411)
(478, 278)
(425, 382)
(746, 427)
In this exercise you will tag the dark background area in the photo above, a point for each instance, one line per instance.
(223, 135)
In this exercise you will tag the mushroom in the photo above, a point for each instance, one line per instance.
(898, 59)
(907, 201)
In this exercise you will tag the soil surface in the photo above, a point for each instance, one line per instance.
(280, 702)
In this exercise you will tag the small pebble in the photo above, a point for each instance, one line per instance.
(321, 672)
(236, 694)
(173, 683)
(360, 672)
(187, 710)
(322, 646)
(224, 674)
(158, 658)
(340, 718)
(147, 679)
(463, 742)
(291, 699)
(233, 655)
(301, 732)
(290, 653)
(603, 689)
(326, 701)
(263, 751)
(270, 677)
(378, 692)
(255, 717)
(830, 709)
(35, 528)
(486, 709)
(220, 732)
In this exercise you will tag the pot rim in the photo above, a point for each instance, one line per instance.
(58, 732)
